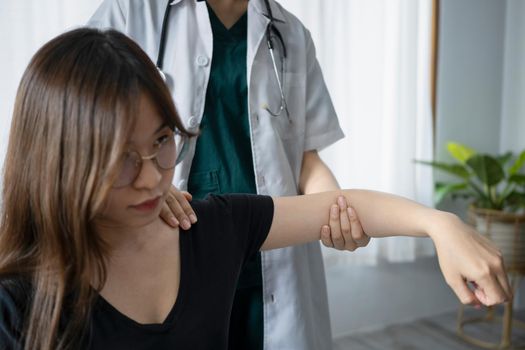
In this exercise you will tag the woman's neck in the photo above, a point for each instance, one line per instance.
(131, 240)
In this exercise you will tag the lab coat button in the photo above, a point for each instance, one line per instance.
(202, 60)
(192, 122)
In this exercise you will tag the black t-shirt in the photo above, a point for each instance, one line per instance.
(230, 229)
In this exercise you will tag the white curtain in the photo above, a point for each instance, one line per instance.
(375, 55)
(375, 58)
(25, 25)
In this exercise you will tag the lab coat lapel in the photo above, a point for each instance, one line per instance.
(203, 20)
(260, 6)
(257, 23)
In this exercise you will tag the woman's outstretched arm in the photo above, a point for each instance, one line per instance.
(464, 255)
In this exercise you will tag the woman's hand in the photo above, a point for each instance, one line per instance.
(177, 210)
(466, 257)
(344, 231)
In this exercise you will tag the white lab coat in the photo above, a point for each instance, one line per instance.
(294, 288)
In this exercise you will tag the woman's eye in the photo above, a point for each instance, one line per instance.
(162, 140)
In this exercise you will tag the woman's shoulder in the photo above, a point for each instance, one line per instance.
(234, 211)
(220, 203)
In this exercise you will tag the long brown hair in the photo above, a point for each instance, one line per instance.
(73, 113)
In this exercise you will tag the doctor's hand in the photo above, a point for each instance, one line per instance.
(177, 210)
(471, 264)
(344, 231)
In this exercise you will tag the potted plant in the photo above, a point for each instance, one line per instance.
(495, 187)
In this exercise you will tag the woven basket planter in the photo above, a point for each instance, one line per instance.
(506, 230)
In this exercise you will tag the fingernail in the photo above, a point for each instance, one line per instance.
(350, 212)
(174, 222)
(193, 218)
(325, 230)
(342, 201)
(186, 224)
(335, 210)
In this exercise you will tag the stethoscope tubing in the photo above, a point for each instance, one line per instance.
(269, 41)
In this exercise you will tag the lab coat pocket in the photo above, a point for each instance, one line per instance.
(203, 183)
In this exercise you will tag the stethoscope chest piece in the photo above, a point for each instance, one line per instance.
(162, 74)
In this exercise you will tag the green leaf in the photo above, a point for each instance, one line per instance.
(454, 169)
(442, 190)
(504, 159)
(460, 152)
(516, 200)
(486, 204)
(507, 191)
(487, 169)
(517, 179)
(518, 164)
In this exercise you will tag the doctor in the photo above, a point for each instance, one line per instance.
(245, 74)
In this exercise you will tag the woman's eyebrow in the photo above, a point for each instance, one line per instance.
(162, 126)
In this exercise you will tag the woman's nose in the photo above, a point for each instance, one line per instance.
(149, 175)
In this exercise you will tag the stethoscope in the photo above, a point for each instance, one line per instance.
(271, 33)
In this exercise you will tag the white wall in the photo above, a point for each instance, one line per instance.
(470, 74)
(24, 27)
(513, 103)
(470, 80)
(513, 100)
(471, 61)
(365, 298)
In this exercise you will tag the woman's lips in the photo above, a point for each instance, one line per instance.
(147, 205)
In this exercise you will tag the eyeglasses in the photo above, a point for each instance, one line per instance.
(170, 152)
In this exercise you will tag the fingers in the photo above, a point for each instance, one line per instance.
(345, 231)
(504, 283)
(503, 280)
(167, 215)
(183, 199)
(345, 226)
(465, 255)
(358, 235)
(463, 292)
(489, 291)
(326, 238)
(179, 210)
(335, 228)
(493, 286)
(187, 195)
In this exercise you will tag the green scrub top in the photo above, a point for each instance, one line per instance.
(223, 162)
(223, 157)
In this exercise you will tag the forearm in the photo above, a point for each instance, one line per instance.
(382, 214)
(297, 219)
(463, 254)
(315, 175)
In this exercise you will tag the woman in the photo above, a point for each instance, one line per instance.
(222, 78)
(85, 260)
